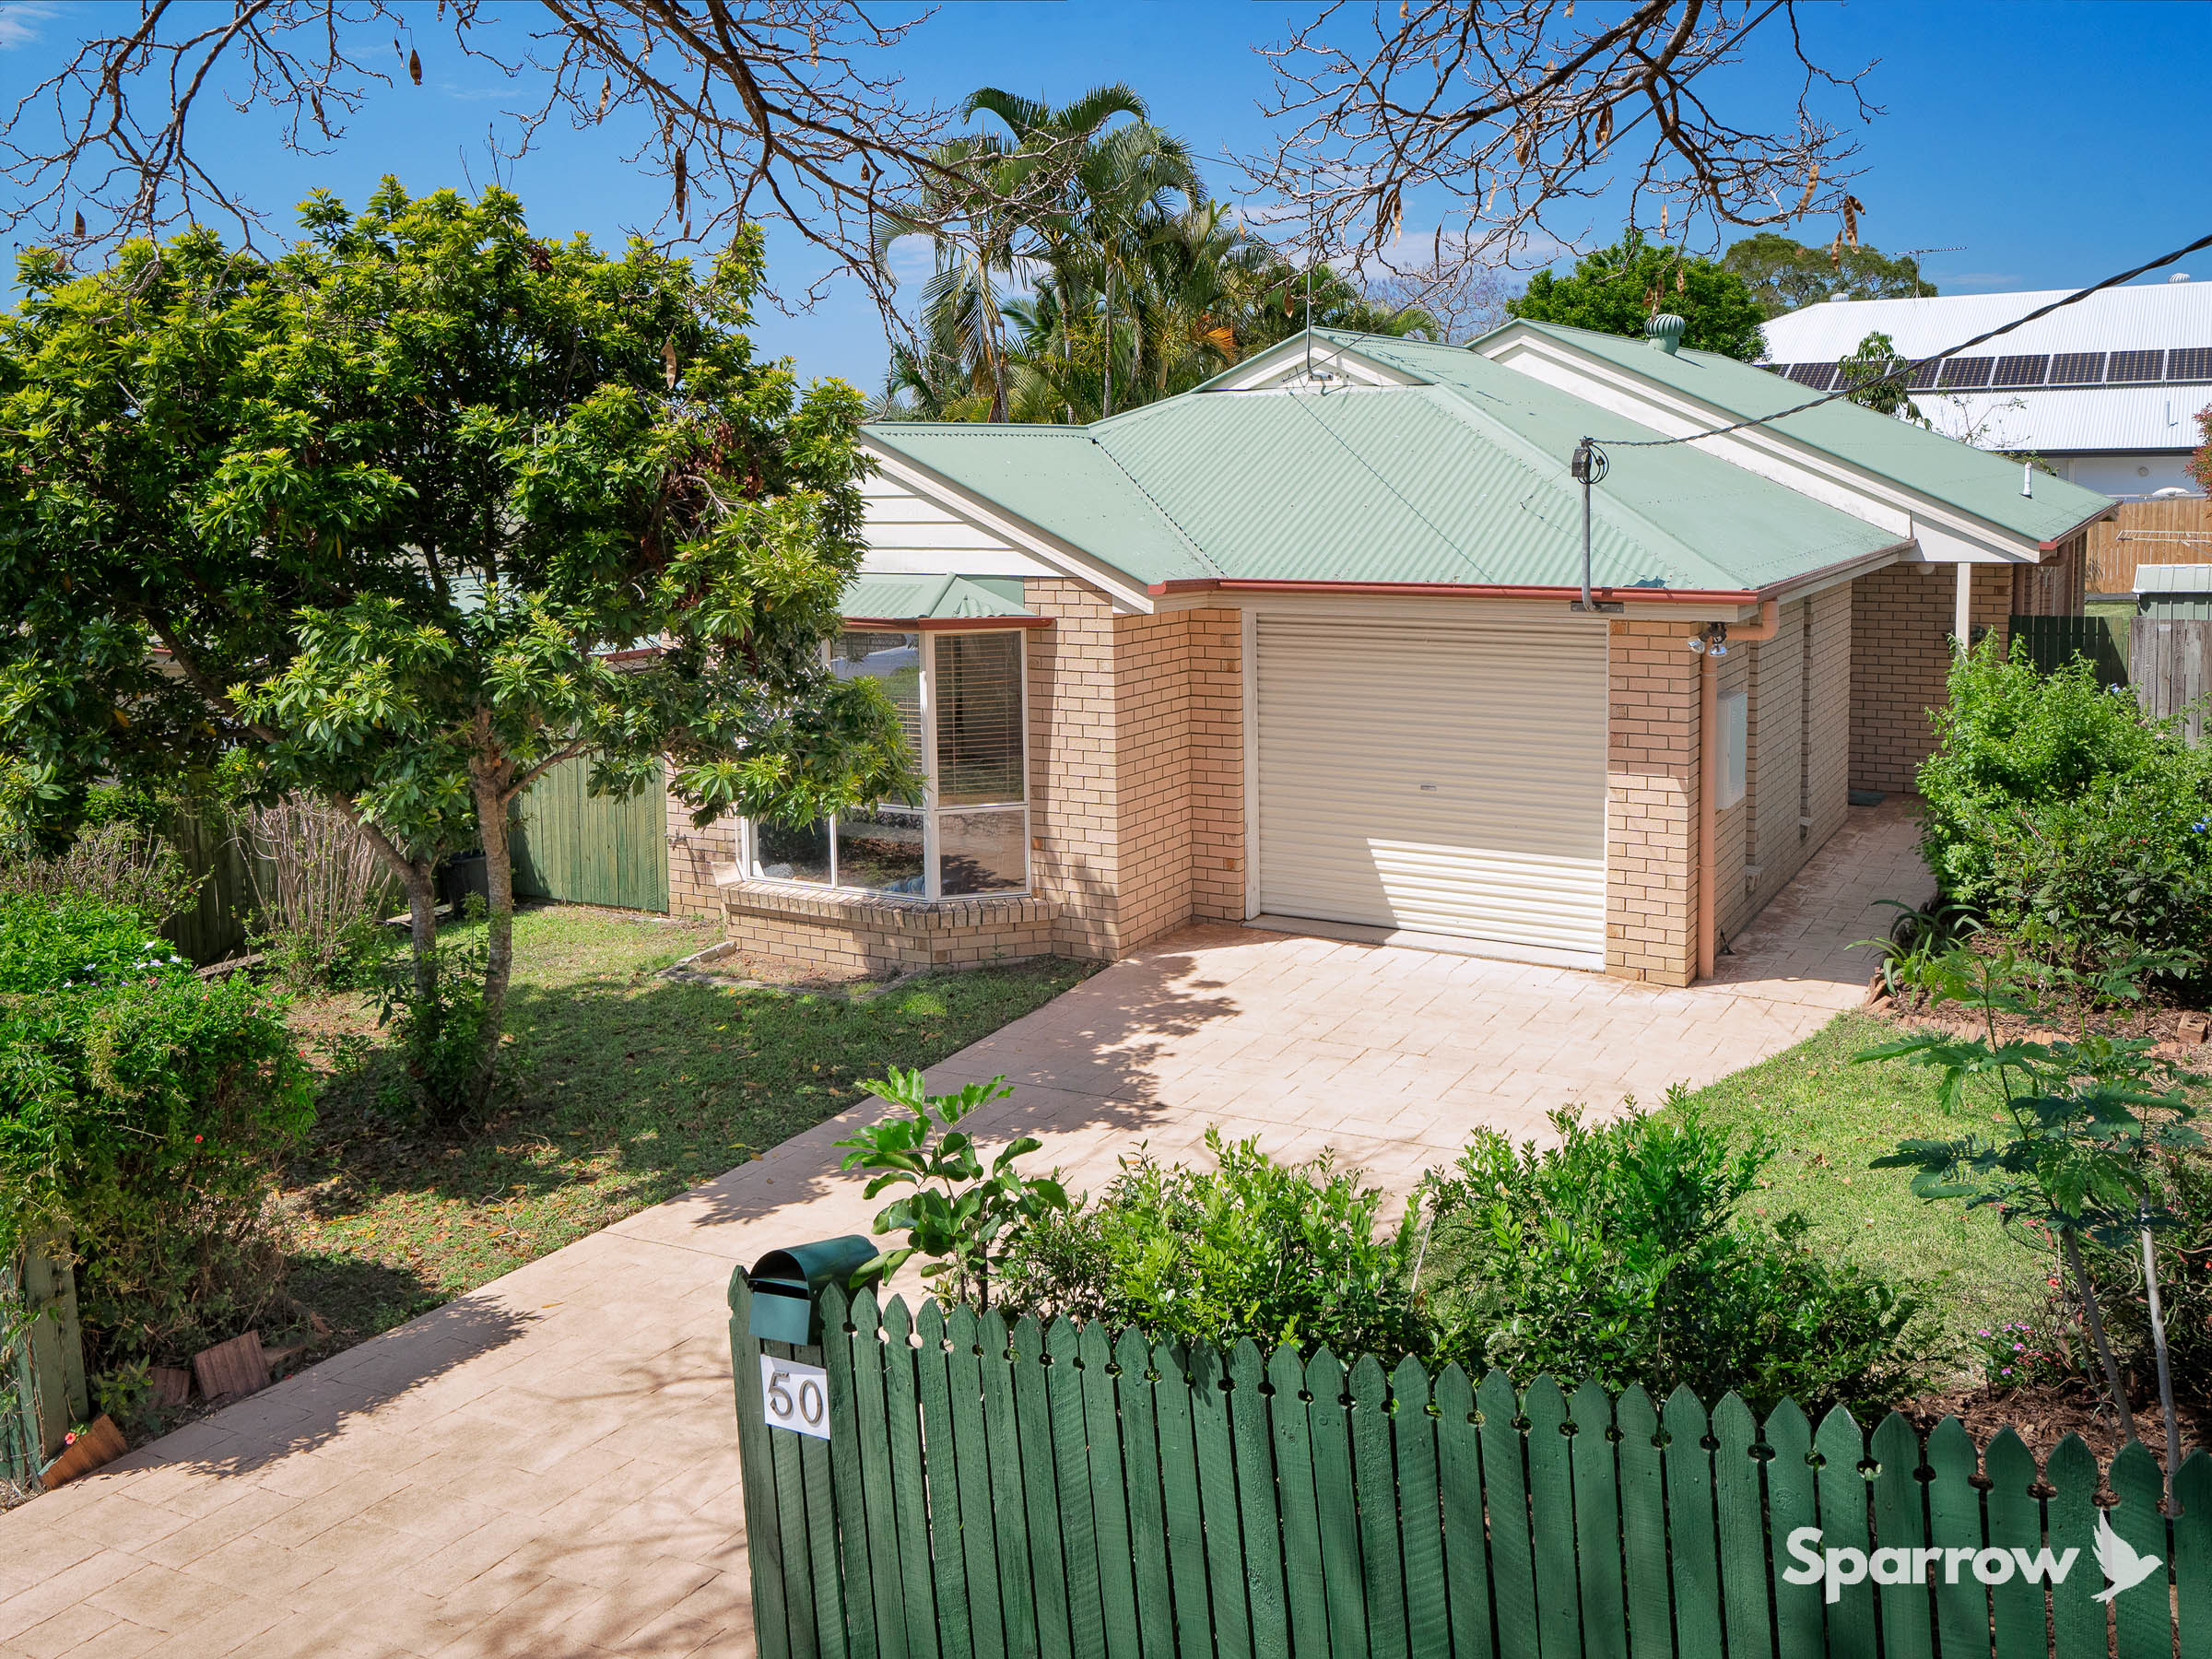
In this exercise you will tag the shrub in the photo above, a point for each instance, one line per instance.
(2182, 1248)
(140, 1123)
(318, 887)
(59, 944)
(2071, 822)
(117, 864)
(1278, 1252)
(1622, 1254)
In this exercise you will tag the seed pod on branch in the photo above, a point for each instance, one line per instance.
(415, 67)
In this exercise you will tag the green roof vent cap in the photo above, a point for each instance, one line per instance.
(1665, 331)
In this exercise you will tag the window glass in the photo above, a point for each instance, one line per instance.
(978, 718)
(782, 852)
(980, 852)
(881, 851)
(894, 661)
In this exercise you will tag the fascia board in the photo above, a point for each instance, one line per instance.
(1128, 594)
(1834, 482)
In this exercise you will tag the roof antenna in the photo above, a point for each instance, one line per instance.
(1310, 235)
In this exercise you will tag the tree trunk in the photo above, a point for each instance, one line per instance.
(2104, 1349)
(499, 961)
(422, 929)
(2157, 1337)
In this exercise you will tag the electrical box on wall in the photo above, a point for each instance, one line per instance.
(1736, 745)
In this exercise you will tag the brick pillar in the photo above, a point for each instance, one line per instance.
(1652, 804)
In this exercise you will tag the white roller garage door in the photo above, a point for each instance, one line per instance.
(1445, 778)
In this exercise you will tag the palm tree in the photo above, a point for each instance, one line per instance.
(1138, 286)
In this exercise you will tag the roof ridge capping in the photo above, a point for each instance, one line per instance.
(1980, 484)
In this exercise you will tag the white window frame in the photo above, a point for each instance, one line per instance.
(930, 810)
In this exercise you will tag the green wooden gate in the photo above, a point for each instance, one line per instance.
(1003, 1492)
(586, 849)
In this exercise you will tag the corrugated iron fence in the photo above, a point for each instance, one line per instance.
(996, 1492)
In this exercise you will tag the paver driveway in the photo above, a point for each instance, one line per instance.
(548, 1467)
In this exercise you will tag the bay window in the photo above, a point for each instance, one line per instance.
(960, 699)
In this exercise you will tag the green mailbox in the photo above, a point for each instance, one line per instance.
(786, 1282)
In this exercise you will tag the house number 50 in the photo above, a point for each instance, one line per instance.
(794, 1396)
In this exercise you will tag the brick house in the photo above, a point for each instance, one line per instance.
(1305, 647)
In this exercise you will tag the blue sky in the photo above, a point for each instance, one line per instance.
(2050, 142)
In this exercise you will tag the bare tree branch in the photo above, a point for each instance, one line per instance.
(1494, 115)
(751, 110)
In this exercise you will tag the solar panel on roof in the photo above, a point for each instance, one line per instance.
(2021, 371)
(2189, 363)
(1921, 378)
(2077, 368)
(1965, 372)
(1819, 376)
(2133, 365)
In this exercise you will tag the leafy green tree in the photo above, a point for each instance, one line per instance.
(1784, 275)
(407, 517)
(1865, 373)
(1617, 289)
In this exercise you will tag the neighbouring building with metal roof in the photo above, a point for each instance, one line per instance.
(2106, 390)
(1342, 642)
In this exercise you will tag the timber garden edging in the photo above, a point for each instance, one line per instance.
(1007, 1491)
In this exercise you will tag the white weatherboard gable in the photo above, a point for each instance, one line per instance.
(1945, 534)
(917, 523)
(1284, 365)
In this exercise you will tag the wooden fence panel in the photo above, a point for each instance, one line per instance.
(1065, 1492)
(2171, 660)
(586, 849)
(2178, 531)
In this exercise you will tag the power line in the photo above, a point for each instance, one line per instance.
(1906, 370)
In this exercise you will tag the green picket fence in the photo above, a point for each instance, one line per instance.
(1004, 1491)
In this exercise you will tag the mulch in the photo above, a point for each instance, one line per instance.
(2045, 1413)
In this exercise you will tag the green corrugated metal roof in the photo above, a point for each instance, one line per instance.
(891, 597)
(1464, 483)
(1985, 486)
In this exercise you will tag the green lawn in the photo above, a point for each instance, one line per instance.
(1829, 1120)
(622, 1090)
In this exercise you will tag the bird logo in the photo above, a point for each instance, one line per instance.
(2118, 1561)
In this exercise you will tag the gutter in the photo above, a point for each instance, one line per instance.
(943, 624)
(1708, 777)
(2095, 518)
(1451, 590)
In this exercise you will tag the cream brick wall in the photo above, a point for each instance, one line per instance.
(1217, 745)
(874, 933)
(1652, 804)
(1152, 775)
(1075, 822)
(1901, 620)
(694, 858)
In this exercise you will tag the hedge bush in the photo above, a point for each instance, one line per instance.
(1278, 1252)
(141, 1112)
(1619, 1253)
(49, 943)
(1622, 1253)
(2053, 808)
